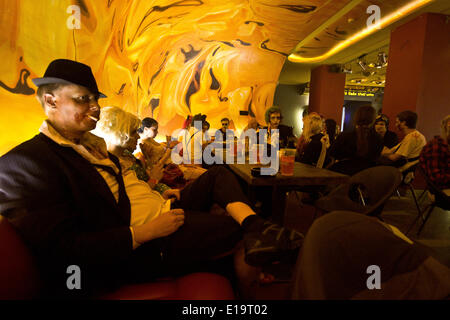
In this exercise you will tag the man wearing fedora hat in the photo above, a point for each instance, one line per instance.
(72, 203)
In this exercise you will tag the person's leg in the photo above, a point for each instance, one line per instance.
(264, 241)
(202, 238)
(217, 185)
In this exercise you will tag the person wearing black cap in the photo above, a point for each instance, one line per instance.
(74, 203)
(381, 127)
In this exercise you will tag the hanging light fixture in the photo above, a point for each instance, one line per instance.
(362, 64)
(382, 60)
(347, 69)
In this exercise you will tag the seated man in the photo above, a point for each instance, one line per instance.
(348, 255)
(435, 157)
(224, 134)
(276, 135)
(284, 135)
(409, 148)
(74, 204)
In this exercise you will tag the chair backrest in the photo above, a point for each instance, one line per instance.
(377, 184)
(19, 278)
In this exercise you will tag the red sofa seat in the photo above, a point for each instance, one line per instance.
(19, 278)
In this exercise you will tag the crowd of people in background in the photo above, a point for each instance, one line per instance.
(321, 143)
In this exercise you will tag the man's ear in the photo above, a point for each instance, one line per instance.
(49, 100)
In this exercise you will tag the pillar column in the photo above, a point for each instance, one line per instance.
(326, 92)
(418, 73)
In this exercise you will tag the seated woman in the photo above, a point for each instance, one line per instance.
(205, 129)
(148, 150)
(359, 149)
(152, 153)
(217, 185)
(309, 146)
(119, 130)
(193, 141)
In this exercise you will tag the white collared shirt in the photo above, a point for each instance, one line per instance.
(146, 204)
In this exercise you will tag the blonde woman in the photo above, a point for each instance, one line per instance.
(309, 147)
(264, 241)
(119, 130)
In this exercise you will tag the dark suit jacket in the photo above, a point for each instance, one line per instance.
(66, 213)
(287, 137)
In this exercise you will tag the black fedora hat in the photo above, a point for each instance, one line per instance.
(69, 72)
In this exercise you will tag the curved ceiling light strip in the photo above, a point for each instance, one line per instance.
(405, 10)
(348, 7)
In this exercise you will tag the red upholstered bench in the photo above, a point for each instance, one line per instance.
(19, 278)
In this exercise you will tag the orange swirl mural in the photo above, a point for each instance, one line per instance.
(164, 59)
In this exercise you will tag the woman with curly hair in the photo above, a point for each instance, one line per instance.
(312, 141)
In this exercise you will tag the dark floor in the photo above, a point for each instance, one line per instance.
(398, 211)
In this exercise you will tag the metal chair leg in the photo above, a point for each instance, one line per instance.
(426, 218)
(299, 197)
(361, 197)
(422, 195)
(419, 216)
(415, 199)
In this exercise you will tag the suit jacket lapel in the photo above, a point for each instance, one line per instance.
(85, 170)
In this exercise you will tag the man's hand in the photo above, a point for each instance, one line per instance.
(174, 193)
(164, 225)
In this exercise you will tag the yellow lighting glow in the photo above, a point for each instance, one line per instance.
(405, 10)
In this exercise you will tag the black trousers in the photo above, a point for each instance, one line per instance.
(202, 237)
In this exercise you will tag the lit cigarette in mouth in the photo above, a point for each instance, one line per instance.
(93, 118)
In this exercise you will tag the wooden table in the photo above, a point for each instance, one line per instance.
(304, 175)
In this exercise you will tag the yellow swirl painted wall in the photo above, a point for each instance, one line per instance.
(165, 59)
